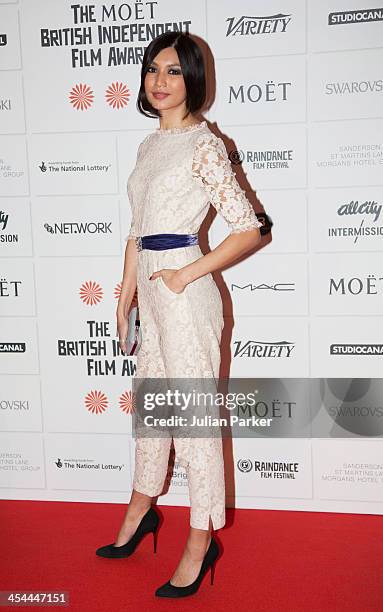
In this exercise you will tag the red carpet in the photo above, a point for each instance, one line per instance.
(274, 561)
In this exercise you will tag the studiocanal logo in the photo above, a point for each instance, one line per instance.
(253, 26)
(12, 347)
(357, 350)
(358, 16)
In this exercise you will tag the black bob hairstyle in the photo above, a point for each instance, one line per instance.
(192, 66)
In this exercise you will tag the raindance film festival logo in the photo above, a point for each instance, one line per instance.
(252, 26)
(358, 16)
(263, 160)
(269, 469)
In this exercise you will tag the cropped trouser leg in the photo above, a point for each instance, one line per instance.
(181, 336)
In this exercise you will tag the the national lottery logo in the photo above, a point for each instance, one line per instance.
(253, 26)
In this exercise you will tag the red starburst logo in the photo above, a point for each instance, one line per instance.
(81, 96)
(127, 402)
(117, 95)
(96, 402)
(91, 293)
(117, 290)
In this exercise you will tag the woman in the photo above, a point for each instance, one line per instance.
(181, 168)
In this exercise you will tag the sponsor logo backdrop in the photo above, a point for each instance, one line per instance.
(299, 105)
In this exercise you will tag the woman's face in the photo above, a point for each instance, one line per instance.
(164, 82)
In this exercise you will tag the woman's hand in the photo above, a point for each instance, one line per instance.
(122, 330)
(171, 279)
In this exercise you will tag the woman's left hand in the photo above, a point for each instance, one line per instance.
(171, 279)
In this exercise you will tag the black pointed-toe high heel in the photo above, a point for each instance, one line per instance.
(149, 523)
(169, 590)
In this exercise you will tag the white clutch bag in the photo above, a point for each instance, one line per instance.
(134, 337)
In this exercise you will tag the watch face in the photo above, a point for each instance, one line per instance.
(134, 332)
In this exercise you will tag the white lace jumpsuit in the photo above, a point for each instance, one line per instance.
(178, 173)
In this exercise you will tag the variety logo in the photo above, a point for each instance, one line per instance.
(266, 92)
(265, 286)
(254, 348)
(353, 87)
(252, 26)
(355, 285)
(263, 160)
(360, 16)
(75, 227)
(364, 350)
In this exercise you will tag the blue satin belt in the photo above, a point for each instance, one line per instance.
(159, 242)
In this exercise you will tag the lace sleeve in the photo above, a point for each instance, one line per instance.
(212, 169)
(132, 232)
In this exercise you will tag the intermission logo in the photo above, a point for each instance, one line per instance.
(359, 16)
(259, 92)
(252, 26)
(5, 237)
(269, 469)
(53, 167)
(363, 211)
(254, 348)
(268, 159)
(264, 287)
(76, 227)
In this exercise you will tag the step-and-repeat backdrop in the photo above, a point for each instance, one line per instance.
(299, 104)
